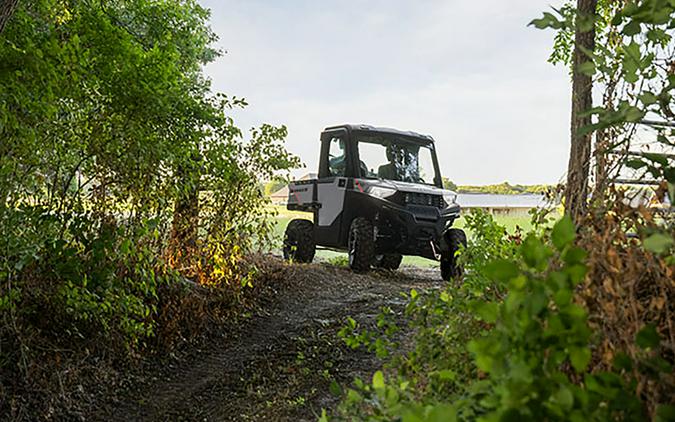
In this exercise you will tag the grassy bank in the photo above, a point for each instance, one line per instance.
(284, 216)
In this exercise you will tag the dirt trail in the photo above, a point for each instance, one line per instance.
(278, 366)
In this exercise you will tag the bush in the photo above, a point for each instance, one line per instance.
(443, 322)
(630, 287)
(524, 353)
(125, 187)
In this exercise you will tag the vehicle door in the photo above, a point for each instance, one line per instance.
(334, 166)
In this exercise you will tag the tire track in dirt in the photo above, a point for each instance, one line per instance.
(257, 372)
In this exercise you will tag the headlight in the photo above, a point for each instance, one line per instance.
(450, 198)
(380, 192)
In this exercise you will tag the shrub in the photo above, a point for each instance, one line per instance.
(526, 353)
(629, 287)
(125, 187)
(439, 365)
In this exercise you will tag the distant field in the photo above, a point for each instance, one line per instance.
(284, 216)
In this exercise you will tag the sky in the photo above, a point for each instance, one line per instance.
(471, 74)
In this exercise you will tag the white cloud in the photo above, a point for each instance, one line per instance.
(469, 73)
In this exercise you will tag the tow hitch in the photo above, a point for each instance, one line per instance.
(437, 256)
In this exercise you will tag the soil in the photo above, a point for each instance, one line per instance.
(280, 364)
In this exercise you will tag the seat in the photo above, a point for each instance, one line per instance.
(387, 171)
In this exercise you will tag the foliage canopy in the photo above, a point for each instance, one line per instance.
(108, 124)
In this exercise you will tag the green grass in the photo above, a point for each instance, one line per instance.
(284, 216)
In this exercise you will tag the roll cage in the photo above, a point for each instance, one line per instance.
(347, 135)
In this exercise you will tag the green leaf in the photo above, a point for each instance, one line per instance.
(351, 322)
(353, 396)
(535, 253)
(622, 361)
(447, 375)
(488, 311)
(647, 98)
(501, 270)
(563, 232)
(537, 301)
(633, 114)
(631, 62)
(658, 35)
(658, 364)
(576, 273)
(547, 21)
(648, 337)
(658, 243)
(518, 282)
(574, 256)
(335, 388)
(617, 19)
(558, 279)
(635, 163)
(480, 348)
(564, 397)
(652, 12)
(378, 380)
(410, 416)
(124, 246)
(665, 413)
(656, 157)
(580, 357)
(442, 413)
(445, 297)
(585, 22)
(632, 28)
(562, 297)
(669, 174)
(585, 130)
(587, 68)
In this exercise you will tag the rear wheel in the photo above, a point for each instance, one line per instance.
(449, 267)
(389, 261)
(299, 243)
(361, 244)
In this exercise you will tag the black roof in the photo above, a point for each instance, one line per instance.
(366, 128)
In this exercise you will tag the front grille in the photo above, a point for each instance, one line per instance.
(423, 212)
(426, 199)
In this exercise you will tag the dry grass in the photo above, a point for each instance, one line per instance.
(628, 288)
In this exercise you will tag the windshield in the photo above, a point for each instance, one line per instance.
(391, 157)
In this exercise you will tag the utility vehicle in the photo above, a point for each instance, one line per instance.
(378, 196)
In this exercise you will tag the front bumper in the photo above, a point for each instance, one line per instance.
(411, 229)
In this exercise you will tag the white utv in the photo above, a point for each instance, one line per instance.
(378, 196)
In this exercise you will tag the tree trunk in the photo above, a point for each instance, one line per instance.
(7, 8)
(601, 144)
(576, 190)
(186, 215)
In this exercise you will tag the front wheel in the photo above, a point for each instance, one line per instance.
(449, 267)
(361, 244)
(299, 242)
